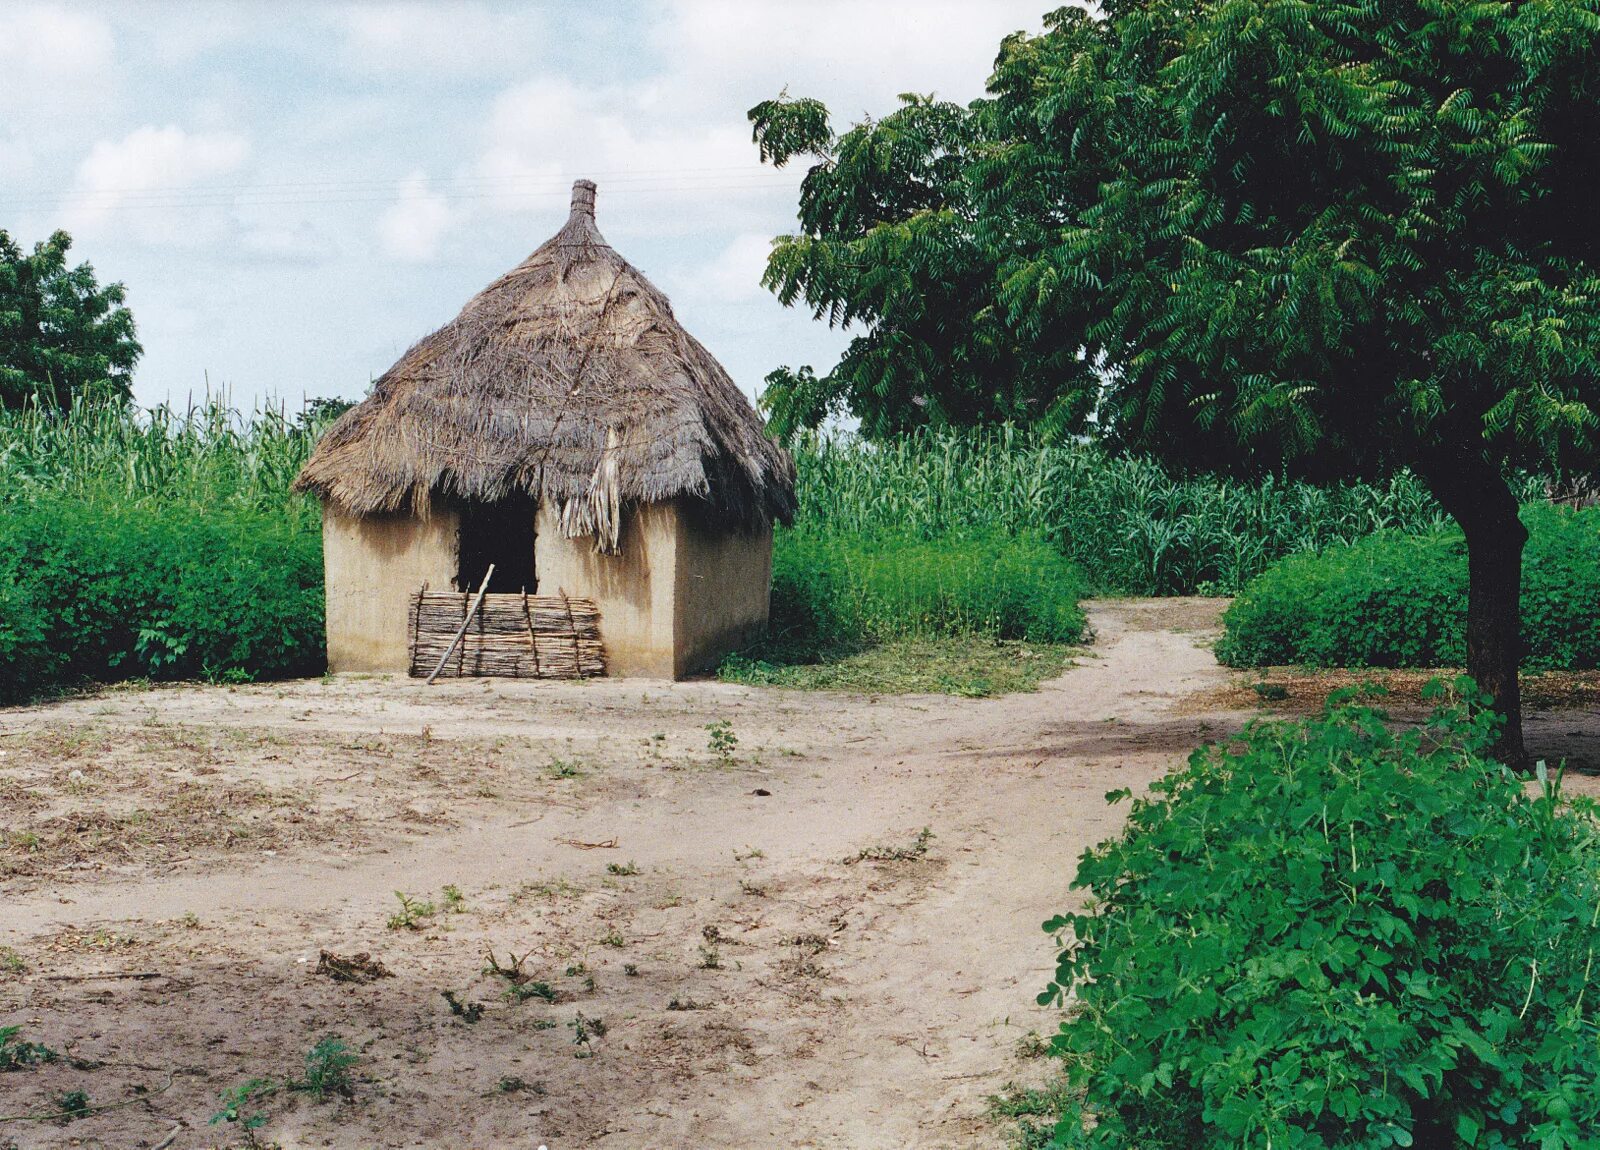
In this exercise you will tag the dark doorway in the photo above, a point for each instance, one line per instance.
(500, 533)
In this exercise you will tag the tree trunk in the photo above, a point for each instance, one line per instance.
(1478, 498)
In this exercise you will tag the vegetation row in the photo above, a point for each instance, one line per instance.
(1397, 600)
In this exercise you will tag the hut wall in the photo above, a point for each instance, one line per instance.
(724, 578)
(681, 591)
(374, 564)
(632, 588)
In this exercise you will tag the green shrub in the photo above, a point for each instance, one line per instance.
(1329, 934)
(836, 594)
(1394, 600)
(105, 590)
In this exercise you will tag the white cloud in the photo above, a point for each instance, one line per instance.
(412, 228)
(52, 55)
(151, 179)
(673, 171)
(735, 275)
(296, 243)
(441, 40)
(855, 57)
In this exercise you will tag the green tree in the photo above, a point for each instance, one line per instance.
(905, 232)
(61, 333)
(1339, 237)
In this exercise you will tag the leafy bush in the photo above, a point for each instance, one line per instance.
(837, 594)
(1329, 934)
(105, 590)
(1394, 600)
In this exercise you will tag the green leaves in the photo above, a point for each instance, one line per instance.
(61, 334)
(1320, 935)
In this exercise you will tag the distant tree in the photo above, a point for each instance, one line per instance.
(61, 333)
(1342, 237)
(320, 410)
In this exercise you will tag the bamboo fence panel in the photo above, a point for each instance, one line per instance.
(516, 636)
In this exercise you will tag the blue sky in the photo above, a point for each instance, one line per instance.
(294, 193)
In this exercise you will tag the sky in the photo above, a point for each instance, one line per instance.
(294, 193)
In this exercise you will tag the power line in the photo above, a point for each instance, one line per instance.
(367, 191)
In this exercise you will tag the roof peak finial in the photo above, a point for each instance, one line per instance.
(583, 198)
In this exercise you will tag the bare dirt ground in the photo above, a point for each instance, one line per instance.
(746, 947)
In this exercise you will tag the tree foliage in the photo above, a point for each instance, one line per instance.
(62, 334)
(1339, 237)
(1342, 233)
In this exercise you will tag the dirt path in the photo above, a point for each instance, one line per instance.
(753, 987)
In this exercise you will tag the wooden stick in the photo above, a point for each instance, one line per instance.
(464, 623)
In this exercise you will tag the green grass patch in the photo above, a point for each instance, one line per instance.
(977, 614)
(971, 665)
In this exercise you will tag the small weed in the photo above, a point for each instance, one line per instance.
(236, 1100)
(721, 740)
(577, 969)
(328, 1066)
(627, 869)
(1030, 1045)
(522, 991)
(754, 890)
(511, 1084)
(563, 769)
(468, 1012)
(710, 958)
(552, 890)
(412, 913)
(452, 901)
(11, 962)
(630, 969)
(1271, 692)
(71, 1106)
(686, 1004)
(582, 1029)
(613, 939)
(16, 1054)
(912, 853)
(542, 1024)
(749, 853)
(522, 985)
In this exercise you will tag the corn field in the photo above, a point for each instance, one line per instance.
(208, 456)
(1131, 527)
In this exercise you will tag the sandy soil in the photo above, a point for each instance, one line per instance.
(750, 948)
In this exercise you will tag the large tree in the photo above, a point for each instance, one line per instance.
(61, 333)
(1338, 237)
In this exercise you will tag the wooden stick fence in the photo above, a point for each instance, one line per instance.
(518, 636)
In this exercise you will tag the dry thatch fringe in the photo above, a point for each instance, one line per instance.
(568, 379)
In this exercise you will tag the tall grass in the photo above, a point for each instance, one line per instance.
(207, 456)
(160, 544)
(1130, 526)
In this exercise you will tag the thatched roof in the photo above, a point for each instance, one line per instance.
(567, 379)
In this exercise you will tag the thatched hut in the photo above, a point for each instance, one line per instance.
(565, 428)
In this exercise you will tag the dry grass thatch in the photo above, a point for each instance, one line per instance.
(569, 379)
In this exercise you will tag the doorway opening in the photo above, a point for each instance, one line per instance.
(500, 533)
